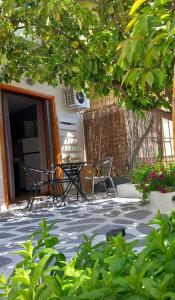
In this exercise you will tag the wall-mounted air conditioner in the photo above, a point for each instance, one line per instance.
(76, 100)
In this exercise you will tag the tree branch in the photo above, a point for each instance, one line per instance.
(140, 142)
(118, 85)
(162, 113)
(60, 32)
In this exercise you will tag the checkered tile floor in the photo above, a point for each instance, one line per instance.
(71, 222)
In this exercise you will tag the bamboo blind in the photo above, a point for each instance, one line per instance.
(129, 139)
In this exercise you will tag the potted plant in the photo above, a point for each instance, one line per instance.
(156, 182)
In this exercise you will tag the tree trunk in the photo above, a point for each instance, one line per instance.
(140, 142)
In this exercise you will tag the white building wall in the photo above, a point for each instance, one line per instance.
(168, 140)
(63, 115)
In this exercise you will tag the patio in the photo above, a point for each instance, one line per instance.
(71, 222)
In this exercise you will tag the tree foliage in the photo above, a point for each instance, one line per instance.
(107, 44)
(147, 55)
(58, 40)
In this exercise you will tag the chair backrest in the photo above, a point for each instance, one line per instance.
(105, 166)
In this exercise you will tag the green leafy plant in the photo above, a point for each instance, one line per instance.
(154, 177)
(109, 270)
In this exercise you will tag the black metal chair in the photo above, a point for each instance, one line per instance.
(35, 185)
(71, 177)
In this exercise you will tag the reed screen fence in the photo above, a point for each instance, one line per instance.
(128, 138)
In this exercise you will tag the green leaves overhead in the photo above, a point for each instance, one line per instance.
(121, 45)
(150, 61)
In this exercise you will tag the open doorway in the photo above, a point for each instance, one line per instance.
(25, 142)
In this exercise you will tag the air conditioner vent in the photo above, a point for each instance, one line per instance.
(76, 100)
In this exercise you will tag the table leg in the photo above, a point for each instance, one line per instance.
(65, 193)
(79, 189)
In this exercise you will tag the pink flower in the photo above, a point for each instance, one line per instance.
(147, 178)
(144, 188)
(153, 175)
(162, 176)
(160, 189)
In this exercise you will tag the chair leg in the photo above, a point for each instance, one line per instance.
(28, 202)
(62, 199)
(78, 191)
(112, 182)
(31, 203)
(105, 187)
(55, 193)
(31, 198)
(92, 195)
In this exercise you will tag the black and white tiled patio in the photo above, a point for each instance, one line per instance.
(71, 222)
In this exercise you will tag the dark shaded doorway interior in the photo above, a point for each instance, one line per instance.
(25, 142)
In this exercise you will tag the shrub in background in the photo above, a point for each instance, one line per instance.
(158, 177)
(109, 270)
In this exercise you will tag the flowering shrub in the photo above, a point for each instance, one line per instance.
(158, 177)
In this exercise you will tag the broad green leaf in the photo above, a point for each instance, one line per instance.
(132, 76)
(3, 60)
(156, 39)
(51, 241)
(119, 46)
(159, 75)
(126, 76)
(79, 23)
(50, 251)
(51, 289)
(117, 265)
(123, 283)
(95, 294)
(141, 27)
(136, 297)
(149, 57)
(27, 252)
(96, 14)
(3, 279)
(21, 277)
(130, 49)
(170, 295)
(143, 81)
(136, 6)
(110, 10)
(39, 270)
(88, 5)
(152, 287)
(166, 280)
(150, 78)
(75, 69)
(131, 24)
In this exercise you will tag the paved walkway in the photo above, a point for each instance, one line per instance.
(97, 217)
